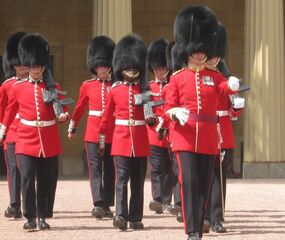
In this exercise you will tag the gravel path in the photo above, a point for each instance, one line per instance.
(255, 209)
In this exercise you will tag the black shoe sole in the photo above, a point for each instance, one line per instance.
(30, 227)
(122, 225)
(136, 227)
(98, 214)
(156, 207)
(44, 227)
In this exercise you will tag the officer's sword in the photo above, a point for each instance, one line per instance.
(222, 155)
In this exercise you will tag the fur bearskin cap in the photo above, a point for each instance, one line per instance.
(9, 71)
(221, 42)
(174, 61)
(100, 53)
(195, 30)
(130, 53)
(156, 54)
(34, 50)
(10, 56)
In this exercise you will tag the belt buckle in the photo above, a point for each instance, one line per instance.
(39, 123)
(131, 122)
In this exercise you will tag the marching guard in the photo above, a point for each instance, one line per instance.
(191, 102)
(14, 72)
(130, 146)
(93, 94)
(227, 110)
(38, 142)
(160, 156)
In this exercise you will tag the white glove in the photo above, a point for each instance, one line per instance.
(238, 102)
(2, 133)
(63, 117)
(182, 114)
(233, 83)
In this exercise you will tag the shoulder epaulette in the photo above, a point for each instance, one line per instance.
(115, 84)
(21, 81)
(178, 71)
(8, 80)
(89, 80)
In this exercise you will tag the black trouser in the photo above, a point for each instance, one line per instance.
(101, 175)
(215, 206)
(175, 182)
(13, 176)
(133, 168)
(195, 175)
(160, 174)
(38, 202)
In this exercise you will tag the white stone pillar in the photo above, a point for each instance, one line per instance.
(112, 18)
(264, 146)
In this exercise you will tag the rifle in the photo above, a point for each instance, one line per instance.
(144, 99)
(50, 96)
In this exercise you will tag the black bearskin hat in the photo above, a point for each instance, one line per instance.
(156, 54)
(130, 53)
(195, 30)
(221, 42)
(34, 50)
(10, 56)
(100, 53)
(174, 61)
(9, 71)
(168, 51)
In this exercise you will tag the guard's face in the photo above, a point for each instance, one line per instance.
(21, 71)
(161, 73)
(130, 75)
(103, 72)
(197, 58)
(36, 72)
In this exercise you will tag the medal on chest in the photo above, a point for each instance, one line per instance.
(208, 80)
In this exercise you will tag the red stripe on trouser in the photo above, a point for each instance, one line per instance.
(181, 188)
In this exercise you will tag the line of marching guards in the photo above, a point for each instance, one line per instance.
(181, 121)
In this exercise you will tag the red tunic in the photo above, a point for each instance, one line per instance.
(198, 92)
(157, 87)
(127, 140)
(26, 97)
(225, 121)
(11, 134)
(93, 94)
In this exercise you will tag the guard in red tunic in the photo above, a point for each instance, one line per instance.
(160, 153)
(93, 95)
(226, 111)
(38, 143)
(191, 102)
(14, 72)
(130, 146)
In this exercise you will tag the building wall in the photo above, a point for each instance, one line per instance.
(67, 24)
(154, 19)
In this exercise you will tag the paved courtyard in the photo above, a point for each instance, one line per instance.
(255, 209)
